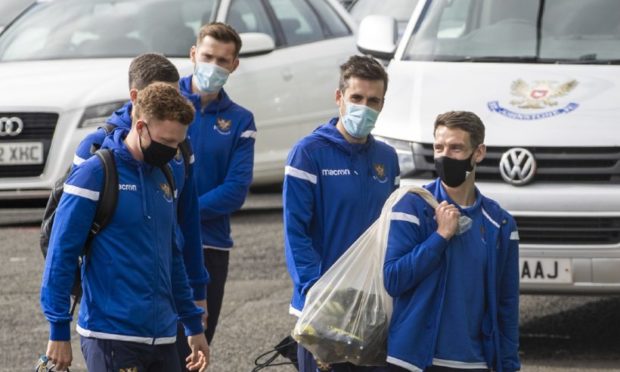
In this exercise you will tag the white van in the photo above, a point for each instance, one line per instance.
(544, 76)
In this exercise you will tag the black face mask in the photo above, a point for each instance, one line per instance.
(157, 154)
(453, 172)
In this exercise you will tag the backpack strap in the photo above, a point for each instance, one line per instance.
(170, 178)
(104, 212)
(107, 198)
(108, 128)
(186, 151)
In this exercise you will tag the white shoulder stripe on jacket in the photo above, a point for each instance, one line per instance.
(248, 134)
(489, 218)
(298, 173)
(400, 216)
(78, 191)
(77, 160)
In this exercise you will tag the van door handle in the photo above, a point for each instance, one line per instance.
(287, 74)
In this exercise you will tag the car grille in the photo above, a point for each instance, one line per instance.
(555, 164)
(569, 230)
(38, 127)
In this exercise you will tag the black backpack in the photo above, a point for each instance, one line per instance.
(105, 207)
(105, 210)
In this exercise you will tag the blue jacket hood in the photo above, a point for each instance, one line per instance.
(122, 117)
(116, 143)
(330, 132)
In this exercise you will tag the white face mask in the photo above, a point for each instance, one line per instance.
(359, 120)
(210, 77)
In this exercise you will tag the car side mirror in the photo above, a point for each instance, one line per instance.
(377, 36)
(255, 43)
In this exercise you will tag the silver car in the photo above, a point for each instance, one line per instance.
(63, 67)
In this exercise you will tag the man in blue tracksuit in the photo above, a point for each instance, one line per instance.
(144, 70)
(453, 270)
(134, 283)
(336, 182)
(222, 137)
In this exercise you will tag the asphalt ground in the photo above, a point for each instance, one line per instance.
(558, 333)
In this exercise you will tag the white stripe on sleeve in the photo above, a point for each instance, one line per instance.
(514, 235)
(396, 180)
(400, 216)
(77, 160)
(298, 173)
(78, 191)
(248, 134)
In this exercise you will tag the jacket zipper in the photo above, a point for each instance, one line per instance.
(155, 260)
(438, 318)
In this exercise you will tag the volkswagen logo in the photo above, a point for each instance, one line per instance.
(11, 126)
(517, 166)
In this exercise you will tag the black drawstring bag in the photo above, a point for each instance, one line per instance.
(286, 348)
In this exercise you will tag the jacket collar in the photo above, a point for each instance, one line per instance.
(221, 103)
(490, 207)
(116, 143)
(330, 133)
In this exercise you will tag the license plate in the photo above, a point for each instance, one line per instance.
(21, 153)
(545, 270)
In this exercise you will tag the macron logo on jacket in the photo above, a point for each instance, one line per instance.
(336, 172)
(127, 187)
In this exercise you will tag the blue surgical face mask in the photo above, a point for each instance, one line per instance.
(210, 77)
(359, 120)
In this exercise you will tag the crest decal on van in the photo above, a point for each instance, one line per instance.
(539, 95)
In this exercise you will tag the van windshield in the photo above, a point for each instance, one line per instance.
(535, 31)
(67, 29)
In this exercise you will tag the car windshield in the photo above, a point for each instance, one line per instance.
(9, 9)
(105, 29)
(399, 9)
(536, 31)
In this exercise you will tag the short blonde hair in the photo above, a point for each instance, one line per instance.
(160, 101)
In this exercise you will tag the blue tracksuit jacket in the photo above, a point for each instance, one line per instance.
(134, 282)
(222, 136)
(333, 191)
(415, 271)
(189, 219)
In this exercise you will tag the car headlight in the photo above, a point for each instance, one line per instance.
(404, 150)
(96, 116)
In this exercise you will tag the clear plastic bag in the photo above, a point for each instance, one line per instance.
(348, 311)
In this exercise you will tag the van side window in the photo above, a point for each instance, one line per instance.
(249, 16)
(334, 23)
(299, 23)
